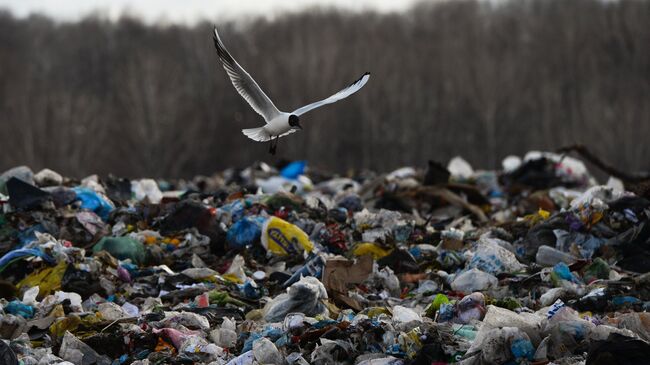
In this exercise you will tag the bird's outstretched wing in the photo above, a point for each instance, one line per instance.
(244, 83)
(353, 88)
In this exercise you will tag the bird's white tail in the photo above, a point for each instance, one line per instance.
(257, 134)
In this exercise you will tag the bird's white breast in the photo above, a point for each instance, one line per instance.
(278, 125)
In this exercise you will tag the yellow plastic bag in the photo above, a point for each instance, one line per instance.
(370, 249)
(61, 325)
(283, 238)
(48, 279)
(235, 273)
(543, 213)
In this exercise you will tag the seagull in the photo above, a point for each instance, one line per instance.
(278, 124)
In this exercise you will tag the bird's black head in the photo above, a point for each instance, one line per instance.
(294, 122)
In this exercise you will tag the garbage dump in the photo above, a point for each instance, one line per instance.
(535, 263)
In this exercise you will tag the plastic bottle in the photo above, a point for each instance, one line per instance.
(549, 256)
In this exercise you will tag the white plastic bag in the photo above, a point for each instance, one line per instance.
(492, 258)
(405, 315)
(265, 352)
(500, 317)
(459, 168)
(146, 188)
(473, 280)
(226, 336)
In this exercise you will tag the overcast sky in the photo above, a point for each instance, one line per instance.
(185, 11)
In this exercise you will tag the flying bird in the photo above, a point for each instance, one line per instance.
(278, 123)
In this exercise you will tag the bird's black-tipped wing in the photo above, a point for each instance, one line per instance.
(244, 83)
(353, 88)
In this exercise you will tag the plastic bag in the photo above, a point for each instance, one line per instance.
(77, 352)
(226, 336)
(387, 279)
(293, 169)
(245, 232)
(122, 248)
(598, 269)
(25, 196)
(265, 352)
(595, 198)
(194, 344)
(404, 315)
(470, 308)
(473, 280)
(496, 317)
(47, 177)
(551, 296)
(282, 238)
(7, 355)
(508, 343)
(94, 201)
(235, 272)
(490, 257)
(435, 305)
(29, 297)
(246, 358)
(459, 168)
(146, 189)
(638, 323)
(566, 336)
(187, 319)
(15, 307)
(22, 253)
(73, 298)
(304, 296)
(111, 311)
(562, 271)
(199, 273)
(48, 279)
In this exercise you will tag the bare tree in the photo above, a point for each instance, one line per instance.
(459, 77)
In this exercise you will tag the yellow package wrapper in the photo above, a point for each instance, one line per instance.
(283, 238)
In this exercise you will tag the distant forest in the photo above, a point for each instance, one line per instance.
(470, 78)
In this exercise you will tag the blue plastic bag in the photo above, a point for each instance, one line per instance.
(245, 232)
(236, 209)
(17, 308)
(522, 348)
(94, 202)
(271, 333)
(20, 253)
(29, 235)
(562, 271)
(294, 169)
(620, 301)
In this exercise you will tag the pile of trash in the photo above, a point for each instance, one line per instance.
(535, 263)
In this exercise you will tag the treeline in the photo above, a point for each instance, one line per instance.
(469, 78)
